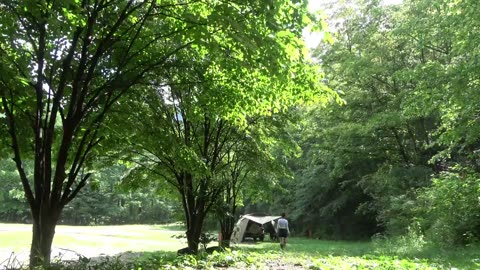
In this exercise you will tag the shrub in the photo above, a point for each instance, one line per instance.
(449, 207)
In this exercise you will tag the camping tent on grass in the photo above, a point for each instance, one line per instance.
(247, 223)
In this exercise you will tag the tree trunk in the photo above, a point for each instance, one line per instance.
(44, 225)
(194, 231)
(194, 209)
(227, 220)
(226, 228)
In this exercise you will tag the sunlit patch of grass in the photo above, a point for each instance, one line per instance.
(17, 238)
(15, 241)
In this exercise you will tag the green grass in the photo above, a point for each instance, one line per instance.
(156, 246)
(315, 247)
(106, 239)
(369, 253)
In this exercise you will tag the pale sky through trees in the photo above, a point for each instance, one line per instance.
(313, 39)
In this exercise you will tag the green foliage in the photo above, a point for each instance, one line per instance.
(383, 160)
(14, 208)
(409, 244)
(103, 201)
(393, 190)
(108, 204)
(355, 156)
(448, 208)
(326, 190)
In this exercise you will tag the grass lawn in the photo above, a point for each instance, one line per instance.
(92, 241)
(367, 255)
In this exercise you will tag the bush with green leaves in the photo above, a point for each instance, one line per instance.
(409, 244)
(449, 207)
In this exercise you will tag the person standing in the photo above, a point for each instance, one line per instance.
(283, 230)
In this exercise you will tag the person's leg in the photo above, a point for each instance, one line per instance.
(282, 242)
(282, 234)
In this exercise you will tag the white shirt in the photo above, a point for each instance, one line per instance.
(282, 224)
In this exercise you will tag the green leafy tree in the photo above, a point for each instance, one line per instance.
(65, 64)
(252, 170)
(408, 75)
(447, 72)
(445, 33)
(366, 158)
(202, 106)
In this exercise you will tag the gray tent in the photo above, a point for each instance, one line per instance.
(242, 223)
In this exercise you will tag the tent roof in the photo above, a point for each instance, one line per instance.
(261, 219)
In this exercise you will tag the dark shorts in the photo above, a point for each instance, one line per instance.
(282, 233)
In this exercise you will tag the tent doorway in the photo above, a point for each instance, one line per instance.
(253, 226)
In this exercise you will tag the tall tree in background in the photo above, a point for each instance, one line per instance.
(365, 159)
(446, 35)
(382, 128)
(407, 136)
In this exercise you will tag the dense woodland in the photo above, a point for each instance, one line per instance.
(222, 111)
